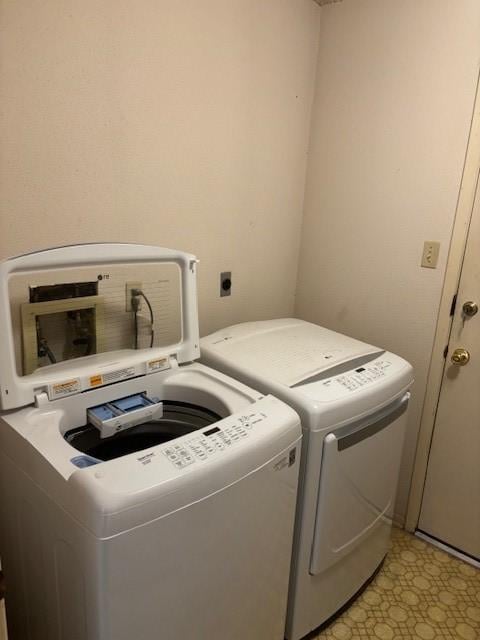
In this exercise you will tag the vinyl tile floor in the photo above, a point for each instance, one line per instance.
(421, 593)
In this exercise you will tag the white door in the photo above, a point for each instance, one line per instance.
(451, 500)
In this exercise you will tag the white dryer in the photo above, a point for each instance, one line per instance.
(180, 524)
(352, 399)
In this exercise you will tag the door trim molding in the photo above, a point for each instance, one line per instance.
(463, 215)
(450, 550)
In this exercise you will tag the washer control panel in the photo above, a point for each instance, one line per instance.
(211, 441)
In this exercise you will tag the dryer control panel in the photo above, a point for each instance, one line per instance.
(360, 377)
(374, 374)
(211, 441)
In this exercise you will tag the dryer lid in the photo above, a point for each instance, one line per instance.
(84, 292)
(288, 350)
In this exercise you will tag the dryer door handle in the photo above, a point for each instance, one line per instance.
(371, 427)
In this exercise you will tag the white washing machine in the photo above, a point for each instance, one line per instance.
(352, 399)
(180, 524)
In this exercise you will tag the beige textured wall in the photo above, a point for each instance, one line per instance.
(394, 98)
(182, 124)
(186, 124)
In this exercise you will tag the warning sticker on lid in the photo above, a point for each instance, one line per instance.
(160, 364)
(66, 388)
(96, 381)
(112, 376)
(119, 374)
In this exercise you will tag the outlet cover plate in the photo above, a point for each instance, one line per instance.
(430, 254)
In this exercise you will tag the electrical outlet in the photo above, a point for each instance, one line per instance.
(430, 254)
(129, 286)
(225, 284)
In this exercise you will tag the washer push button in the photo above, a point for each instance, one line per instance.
(226, 439)
(179, 456)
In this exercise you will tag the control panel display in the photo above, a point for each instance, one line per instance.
(211, 431)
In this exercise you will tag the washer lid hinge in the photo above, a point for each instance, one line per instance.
(41, 399)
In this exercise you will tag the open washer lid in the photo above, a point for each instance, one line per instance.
(75, 375)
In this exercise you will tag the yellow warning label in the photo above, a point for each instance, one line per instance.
(66, 388)
(96, 380)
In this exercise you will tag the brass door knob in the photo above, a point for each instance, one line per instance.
(470, 308)
(460, 357)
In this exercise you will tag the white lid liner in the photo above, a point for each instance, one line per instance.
(17, 391)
